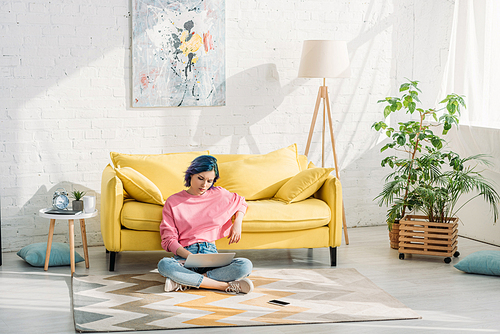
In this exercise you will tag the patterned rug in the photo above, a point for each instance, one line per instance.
(133, 302)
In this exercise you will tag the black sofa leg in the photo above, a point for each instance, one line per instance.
(333, 256)
(112, 257)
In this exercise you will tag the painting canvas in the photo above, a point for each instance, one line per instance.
(178, 53)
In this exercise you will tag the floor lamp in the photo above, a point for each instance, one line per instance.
(325, 59)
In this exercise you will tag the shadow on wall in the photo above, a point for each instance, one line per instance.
(43, 199)
(355, 140)
(252, 95)
(407, 55)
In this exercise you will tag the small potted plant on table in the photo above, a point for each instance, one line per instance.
(77, 204)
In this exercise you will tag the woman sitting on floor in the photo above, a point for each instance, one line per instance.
(192, 220)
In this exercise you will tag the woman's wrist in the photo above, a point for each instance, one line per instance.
(182, 252)
(238, 218)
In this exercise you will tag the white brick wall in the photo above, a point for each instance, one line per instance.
(65, 94)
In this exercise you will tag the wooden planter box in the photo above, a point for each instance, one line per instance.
(418, 236)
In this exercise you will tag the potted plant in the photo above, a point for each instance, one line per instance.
(409, 140)
(400, 186)
(437, 197)
(77, 204)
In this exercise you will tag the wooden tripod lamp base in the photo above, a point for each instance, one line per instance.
(323, 96)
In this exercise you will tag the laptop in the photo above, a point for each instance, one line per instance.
(208, 260)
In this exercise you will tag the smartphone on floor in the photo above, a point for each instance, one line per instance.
(278, 302)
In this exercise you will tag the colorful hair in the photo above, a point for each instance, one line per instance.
(203, 163)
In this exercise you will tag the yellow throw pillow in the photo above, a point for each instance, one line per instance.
(303, 185)
(260, 176)
(166, 171)
(302, 162)
(139, 187)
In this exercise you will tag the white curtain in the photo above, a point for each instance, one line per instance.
(473, 67)
(473, 70)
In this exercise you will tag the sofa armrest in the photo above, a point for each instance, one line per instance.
(111, 206)
(331, 193)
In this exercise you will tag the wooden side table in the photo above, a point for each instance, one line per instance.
(71, 224)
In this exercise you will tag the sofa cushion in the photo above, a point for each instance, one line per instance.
(141, 216)
(303, 185)
(302, 162)
(261, 216)
(274, 216)
(139, 187)
(261, 176)
(166, 171)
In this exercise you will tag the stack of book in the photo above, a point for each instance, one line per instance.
(52, 211)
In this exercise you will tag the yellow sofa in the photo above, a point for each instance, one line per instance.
(290, 204)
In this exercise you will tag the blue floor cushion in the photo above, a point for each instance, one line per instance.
(485, 262)
(34, 254)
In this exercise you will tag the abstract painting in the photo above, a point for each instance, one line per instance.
(178, 53)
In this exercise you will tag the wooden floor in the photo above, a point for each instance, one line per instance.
(449, 301)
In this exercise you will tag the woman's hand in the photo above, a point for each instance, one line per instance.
(235, 234)
(182, 252)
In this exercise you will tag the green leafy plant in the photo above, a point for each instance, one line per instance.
(439, 196)
(398, 191)
(77, 195)
(409, 140)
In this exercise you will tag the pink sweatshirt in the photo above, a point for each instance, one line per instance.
(188, 219)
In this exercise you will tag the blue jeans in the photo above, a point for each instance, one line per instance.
(170, 267)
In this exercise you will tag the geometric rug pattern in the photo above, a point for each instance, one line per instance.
(133, 302)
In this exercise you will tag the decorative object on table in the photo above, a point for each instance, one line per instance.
(325, 59)
(178, 53)
(77, 204)
(485, 262)
(89, 203)
(60, 199)
(116, 303)
(411, 137)
(35, 254)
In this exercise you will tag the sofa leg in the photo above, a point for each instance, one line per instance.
(333, 256)
(112, 257)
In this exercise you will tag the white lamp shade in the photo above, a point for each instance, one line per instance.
(324, 59)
